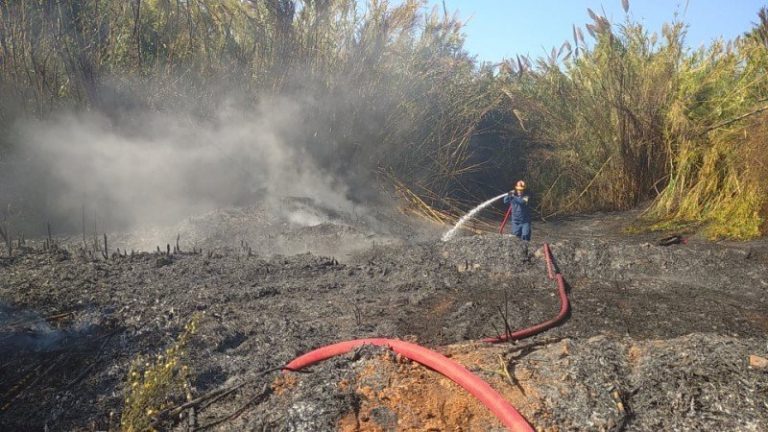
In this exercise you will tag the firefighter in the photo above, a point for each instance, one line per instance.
(520, 212)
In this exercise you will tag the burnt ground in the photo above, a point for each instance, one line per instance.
(659, 338)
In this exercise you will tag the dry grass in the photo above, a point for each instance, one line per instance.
(634, 117)
(718, 172)
(600, 124)
(389, 86)
(598, 109)
(154, 384)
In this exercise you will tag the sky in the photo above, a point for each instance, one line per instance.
(503, 28)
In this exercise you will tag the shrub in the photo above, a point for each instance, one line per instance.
(153, 384)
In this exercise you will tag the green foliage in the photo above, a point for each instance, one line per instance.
(717, 135)
(634, 117)
(601, 112)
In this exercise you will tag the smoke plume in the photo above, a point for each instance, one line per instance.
(160, 167)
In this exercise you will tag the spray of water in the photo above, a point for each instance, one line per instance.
(449, 235)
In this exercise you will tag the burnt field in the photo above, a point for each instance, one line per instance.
(659, 338)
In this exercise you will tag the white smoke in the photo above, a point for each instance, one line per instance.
(162, 167)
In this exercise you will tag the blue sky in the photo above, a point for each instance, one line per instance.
(502, 28)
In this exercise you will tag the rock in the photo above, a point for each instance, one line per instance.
(566, 347)
(758, 362)
(467, 267)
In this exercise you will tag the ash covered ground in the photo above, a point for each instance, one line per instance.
(659, 338)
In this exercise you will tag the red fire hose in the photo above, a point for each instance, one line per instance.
(506, 218)
(434, 360)
(538, 328)
(505, 412)
(548, 259)
(546, 325)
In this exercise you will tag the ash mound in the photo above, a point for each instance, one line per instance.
(274, 227)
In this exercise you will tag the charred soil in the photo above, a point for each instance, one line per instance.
(659, 338)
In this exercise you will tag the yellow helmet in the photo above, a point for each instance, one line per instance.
(520, 185)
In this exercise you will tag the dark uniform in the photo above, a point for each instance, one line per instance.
(520, 214)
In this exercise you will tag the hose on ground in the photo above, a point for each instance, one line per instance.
(565, 307)
(538, 328)
(505, 412)
(478, 388)
(550, 261)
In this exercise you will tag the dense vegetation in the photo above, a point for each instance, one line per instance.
(610, 122)
(635, 117)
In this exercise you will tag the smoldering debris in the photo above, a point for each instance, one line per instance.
(150, 168)
(286, 226)
(27, 331)
(628, 322)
